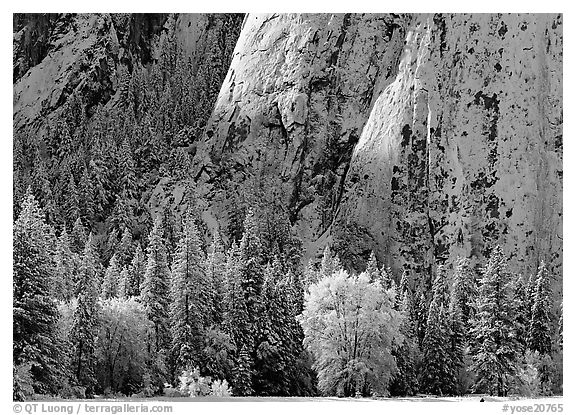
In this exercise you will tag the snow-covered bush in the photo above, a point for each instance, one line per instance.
(220, 388)
(192, 384)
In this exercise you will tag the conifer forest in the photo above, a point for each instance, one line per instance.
(287, 205)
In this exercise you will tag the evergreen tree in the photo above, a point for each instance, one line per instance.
(215, 270)
(85, 320)
(407, 354)
(125, 248)
(372, 267)
(494, 344)
(111, 279)
(188, 307)
(386, 278)
(110, 247)
(404, 287)
(124, 283)
(464, 289)
(156, 287)
(279, 336)
(66, 268)
(136, 273)
(78, 237)
(35, 315)
(237, 324)
(330, 263)
(540, 332)
(522, 312)
(438, 376)
(457, 332)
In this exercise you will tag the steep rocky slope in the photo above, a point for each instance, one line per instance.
(423, 137)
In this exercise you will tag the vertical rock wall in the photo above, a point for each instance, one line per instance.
(464, 149)
(423, 137)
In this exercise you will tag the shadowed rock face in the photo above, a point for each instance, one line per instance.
(423, 137)
(297, 95)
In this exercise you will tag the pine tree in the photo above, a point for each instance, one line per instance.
(85, 320)
(125, 248)
(437, 374)
(156, 287)
(494, 344)
(522, 312)
(215, 270)
(124, 283)
(111, 279)
(457, 332)
(372, 267)
(188, 306)
(404, 287)
(330, 263)
(464, 288)
(66, 268)
(540, 330)
(237, 324)
(386, 278)
(35, 314)
(78, 237)
(136, 273)
(407, 354)
(242, 373)
(110, 247)
(539, 335)
(278, 334)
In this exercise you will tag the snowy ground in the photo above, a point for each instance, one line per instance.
(423, 398)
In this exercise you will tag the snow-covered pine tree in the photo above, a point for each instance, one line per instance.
(155, 290)
(79, 237)
(111, 279)
(85, 320)
(457, 340)
(124, 283)
(465, 290)
(540, 331)
(437, 375)
(215, 270)
(242, 373)
(188, 307)
(495, 347)
(407, 354)
(66, 274)
(251, 271)
(522, 312)
(386, 278)
(237, 324)
(404, 286)
(110, 246)
(330, 263)
(35, 315)
(136, 272)
(125, 248)
(372, 267)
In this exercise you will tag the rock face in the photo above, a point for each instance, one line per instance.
(423, 137)
(297, 95)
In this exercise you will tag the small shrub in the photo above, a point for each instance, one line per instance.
(220, 388)
(192, 384)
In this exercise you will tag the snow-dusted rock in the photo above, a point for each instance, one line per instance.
(424, 137)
